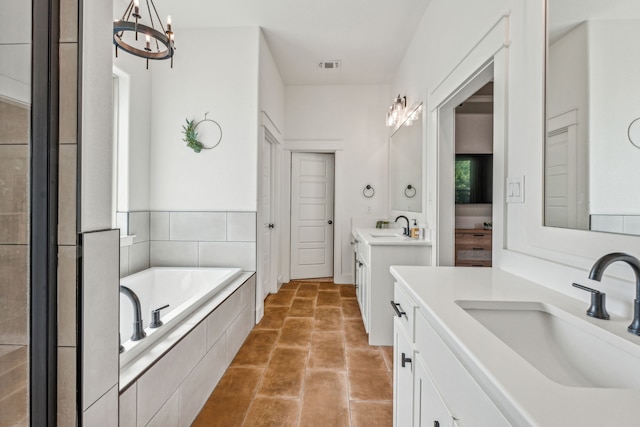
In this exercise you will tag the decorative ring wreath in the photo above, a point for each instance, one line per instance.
(190, 132)
(633, 132)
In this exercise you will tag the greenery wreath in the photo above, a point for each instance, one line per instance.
(191, 134)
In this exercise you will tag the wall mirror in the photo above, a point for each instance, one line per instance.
(405, 164)
(592, 173)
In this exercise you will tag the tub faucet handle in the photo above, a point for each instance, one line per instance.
(155, 317)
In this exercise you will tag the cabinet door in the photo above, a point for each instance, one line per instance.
(366, 296)
(429, 410)
(402, 377)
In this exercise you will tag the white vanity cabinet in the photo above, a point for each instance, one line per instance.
(434, 388)
(416, 400)
(375, 252)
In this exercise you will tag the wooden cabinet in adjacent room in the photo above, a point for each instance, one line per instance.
(473, 247)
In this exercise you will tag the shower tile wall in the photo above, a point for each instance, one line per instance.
(189, 239)
(67, 208)
(134, 258)
(204, 239)
(15, 123)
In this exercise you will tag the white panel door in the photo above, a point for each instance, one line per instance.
(267, 213)
(266, 220)
(312, 181)
(560, 179)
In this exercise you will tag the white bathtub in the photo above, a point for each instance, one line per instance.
(184, 289)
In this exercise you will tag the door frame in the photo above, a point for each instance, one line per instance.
(446, 160)
(321, 147)
(270, 133)
(43, 194)
(330, 217)
(488, 57)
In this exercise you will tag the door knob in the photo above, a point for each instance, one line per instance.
(330, 222)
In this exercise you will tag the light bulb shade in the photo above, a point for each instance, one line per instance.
(390, 119)
(400, 103)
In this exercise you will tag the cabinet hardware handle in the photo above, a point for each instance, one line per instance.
(478, 235)
(399, 313)
(360, 264)
(271, 225)
(478, 249)
(436, 424)
(405, 359)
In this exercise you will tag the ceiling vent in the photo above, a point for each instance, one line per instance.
(329, 65)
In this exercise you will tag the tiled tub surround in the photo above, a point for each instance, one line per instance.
(626, 224)
(189, 239)
(169, 384)
(180, 290)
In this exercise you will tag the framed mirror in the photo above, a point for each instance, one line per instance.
(405, 164)
(592, 173)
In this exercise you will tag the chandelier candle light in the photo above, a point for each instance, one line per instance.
(162, 38)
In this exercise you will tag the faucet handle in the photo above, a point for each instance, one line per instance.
(598, 300)
(155, 317)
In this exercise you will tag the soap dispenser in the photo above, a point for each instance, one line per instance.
(415, 230)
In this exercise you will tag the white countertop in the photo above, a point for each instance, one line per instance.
(523, 394)
(387, 237)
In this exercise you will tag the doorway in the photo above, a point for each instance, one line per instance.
(312, 204)
(473, 141)
(446, 210)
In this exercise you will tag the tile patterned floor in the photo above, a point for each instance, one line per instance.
(307, 363)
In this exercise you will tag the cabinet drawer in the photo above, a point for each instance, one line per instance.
(464, 398)
(405, 310)
(474, 239)
(473, 254)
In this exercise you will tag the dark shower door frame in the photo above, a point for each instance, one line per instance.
(44, 213)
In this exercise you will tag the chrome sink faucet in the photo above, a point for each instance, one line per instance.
(598, 269)
(405, 231)
(138, 329)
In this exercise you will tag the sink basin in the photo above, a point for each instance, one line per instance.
(563, 347)
(387, 235)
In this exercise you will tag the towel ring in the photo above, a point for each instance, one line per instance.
(410, 191)
(633, 132)
(368, 191)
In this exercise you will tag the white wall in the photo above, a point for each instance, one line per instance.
(553, 257)
(215, 71)
(614, 88)
(270, 87)
(349, 120)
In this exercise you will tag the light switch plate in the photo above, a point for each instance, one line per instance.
(515, 189)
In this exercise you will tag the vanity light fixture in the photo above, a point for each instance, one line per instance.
(396, 109)
(158, 42)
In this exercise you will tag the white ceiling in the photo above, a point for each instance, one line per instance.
(368, 36)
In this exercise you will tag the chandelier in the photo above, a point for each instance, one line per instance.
(158, 42)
